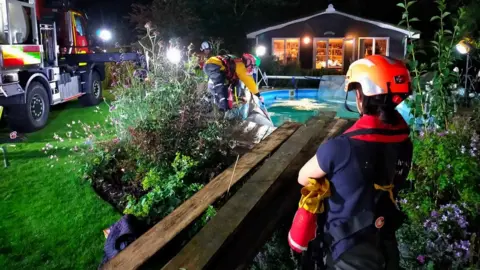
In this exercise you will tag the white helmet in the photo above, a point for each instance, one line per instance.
(205, 46)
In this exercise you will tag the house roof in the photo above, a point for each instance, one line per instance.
(331, 10)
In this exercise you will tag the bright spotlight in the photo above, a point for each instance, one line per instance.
(306, 40)
(174, 55)
(104, 34)
(260, 51)
(463, 47)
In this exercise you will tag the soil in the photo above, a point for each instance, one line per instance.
(112, 189)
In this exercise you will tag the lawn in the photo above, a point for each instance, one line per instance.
(51, 219)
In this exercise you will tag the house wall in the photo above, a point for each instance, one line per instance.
(342, 27)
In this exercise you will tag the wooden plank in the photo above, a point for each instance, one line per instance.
(137, 253)
(202, 251)
(279, 207)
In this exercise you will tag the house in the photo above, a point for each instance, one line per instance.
(332, 39)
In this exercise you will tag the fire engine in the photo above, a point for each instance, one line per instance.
(45, 60)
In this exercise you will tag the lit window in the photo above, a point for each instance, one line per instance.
(329, 53)
(371, 46)
(279, 49)
(321, 54)
(335, 53)
(286, 50)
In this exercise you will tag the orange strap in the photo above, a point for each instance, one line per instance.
(388, 189)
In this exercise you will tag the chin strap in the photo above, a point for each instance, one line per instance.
(389, 99)
(348, 107)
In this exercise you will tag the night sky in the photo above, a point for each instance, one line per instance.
(111, 13)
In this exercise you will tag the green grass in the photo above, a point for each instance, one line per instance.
(50, 218)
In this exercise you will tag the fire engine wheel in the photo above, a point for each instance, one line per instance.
(95, 95)
(33, 115)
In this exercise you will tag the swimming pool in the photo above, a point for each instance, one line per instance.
(302, 104)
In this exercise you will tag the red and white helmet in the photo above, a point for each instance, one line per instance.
(379, 75)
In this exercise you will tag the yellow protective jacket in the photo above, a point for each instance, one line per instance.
(240, 71)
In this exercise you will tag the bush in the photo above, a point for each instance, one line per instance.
(443, 206)
(162, 141)
(443, 241)
(445, 168)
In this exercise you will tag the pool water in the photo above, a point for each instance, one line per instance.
(302, 104)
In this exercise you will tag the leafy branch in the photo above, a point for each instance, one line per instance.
(414, 66)
(437, 103)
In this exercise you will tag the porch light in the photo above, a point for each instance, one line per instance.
(463, 47)
(174, 55)
(260, 50)
(307, 40)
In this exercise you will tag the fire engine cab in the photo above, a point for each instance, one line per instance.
(45, 60)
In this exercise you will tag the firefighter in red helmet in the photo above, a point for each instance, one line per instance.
(365, 167)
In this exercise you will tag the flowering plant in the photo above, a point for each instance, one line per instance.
(443, 203)
(442, 240)
(445, 169)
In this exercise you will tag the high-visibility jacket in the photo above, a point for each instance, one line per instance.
(234, 69)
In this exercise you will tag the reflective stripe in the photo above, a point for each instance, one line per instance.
(295, 244)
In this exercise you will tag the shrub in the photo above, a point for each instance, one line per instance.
(441, 242)
(445, 168)
(163, 141)
(443, 205)
(166, 189)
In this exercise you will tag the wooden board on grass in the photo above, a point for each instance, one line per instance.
(137, 253)
(217, 245)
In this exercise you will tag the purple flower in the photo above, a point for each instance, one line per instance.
(444, 218)
(462, 222)
(458, 254)
(426, 224)
(434, 213)
(421, 259)
(465, 245)
(441, 134)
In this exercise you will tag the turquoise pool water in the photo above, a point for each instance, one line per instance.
(300, 105)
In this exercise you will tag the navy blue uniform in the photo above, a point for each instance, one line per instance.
(367, 154)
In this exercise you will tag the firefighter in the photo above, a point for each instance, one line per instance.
(225, 72)
(206, 50)
(364, 168)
